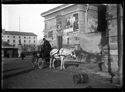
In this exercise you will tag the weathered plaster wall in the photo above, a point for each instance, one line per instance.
(113, 35)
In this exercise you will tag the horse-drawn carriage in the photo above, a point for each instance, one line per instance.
(40, 60)
(88, 48)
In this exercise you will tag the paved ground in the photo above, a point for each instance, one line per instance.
(20, 74)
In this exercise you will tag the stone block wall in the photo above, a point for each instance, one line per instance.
(113, 35)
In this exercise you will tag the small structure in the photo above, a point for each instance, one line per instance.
(8, 50)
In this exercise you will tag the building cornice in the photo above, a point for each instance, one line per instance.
(62, 15)
(77, 10)
(56, 9)
(19, 33)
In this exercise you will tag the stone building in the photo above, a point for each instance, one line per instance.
(68, 21)
(115, 30)
(71, 19)
(28, 39)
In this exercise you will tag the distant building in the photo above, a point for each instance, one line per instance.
(28, 39)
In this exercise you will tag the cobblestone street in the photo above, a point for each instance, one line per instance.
(24, 76)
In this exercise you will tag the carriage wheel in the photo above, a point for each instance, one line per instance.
(41, 63)
(75, 79)
(34, 63)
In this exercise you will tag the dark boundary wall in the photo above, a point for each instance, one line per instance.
(57, 1)
(13, 52)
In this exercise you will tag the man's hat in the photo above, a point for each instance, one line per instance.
(44, 39)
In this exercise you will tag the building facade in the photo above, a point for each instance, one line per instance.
(28, 40)
(71, 19)
(115, 30)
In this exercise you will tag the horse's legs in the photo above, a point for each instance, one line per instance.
(50, 64)
(88, 58)
(37, 60)
(53, 63)
(61, 59)
(79, 58)
(33, 60)
(100, 66)
(62, 62)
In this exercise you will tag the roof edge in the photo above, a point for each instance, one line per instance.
(19, 32)
(56, 9)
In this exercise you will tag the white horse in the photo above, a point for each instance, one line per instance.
(61, 54)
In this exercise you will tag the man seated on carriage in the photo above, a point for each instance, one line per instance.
(45, 50)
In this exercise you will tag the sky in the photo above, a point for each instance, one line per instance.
(28, 16)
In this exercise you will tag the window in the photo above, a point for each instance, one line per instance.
(68, 22)
(34, 41)
(29, 41)
(8, 40)
(34, 37)
(29, 37)
(19, 41)
(19, 36)
(76, 38)
(75, 23)
(50, 34)
(13, 41)
(76, 16)
(8, 36)
(24, 41)
(13, 36)
(24, 37)
(67, 40)
(92, 25)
